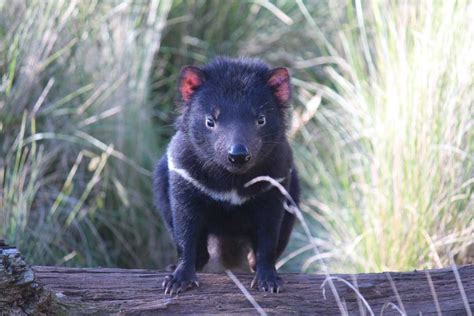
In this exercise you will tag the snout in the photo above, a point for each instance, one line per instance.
(238, 154)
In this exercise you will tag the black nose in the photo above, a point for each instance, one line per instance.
(239, 154)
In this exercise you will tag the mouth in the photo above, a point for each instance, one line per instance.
(238, 169)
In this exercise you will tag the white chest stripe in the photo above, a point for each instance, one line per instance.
(232, 196)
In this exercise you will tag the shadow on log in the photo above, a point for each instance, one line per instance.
(103, 291)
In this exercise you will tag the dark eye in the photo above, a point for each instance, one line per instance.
(261, 120)
(210, 122)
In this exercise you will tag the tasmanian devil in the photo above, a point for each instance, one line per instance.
(232, 129)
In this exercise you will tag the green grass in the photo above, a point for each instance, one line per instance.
(393, 187)
(76, 188)
(382, 127)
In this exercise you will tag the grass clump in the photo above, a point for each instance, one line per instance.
(73, 108)
(394, 188)
(382, 127)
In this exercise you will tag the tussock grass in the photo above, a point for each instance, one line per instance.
(394, 186)
(73, 108)
(383, 124)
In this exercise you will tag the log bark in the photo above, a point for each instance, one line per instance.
(20, 293)
(139, 292)
(78, 291)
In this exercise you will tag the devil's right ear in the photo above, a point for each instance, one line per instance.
(191, 78)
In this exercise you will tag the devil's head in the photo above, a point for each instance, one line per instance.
(234, 111)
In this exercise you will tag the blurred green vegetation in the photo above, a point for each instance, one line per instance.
(382, 125)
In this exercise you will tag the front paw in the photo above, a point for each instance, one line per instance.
(181, 280)
(267, 281)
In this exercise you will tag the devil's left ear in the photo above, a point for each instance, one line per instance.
(279, 81)
(190, 80)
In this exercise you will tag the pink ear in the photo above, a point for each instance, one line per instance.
(280, 82)
(191, 78)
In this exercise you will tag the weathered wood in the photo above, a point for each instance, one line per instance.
(20, 293)
(52, 290)
(139, 292)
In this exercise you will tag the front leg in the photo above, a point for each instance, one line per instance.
(187, 225)
(268, 219)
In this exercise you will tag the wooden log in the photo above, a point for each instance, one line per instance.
(53, 290)
(20, 293)
(430, 292)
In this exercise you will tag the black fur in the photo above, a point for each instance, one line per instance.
(234, 94)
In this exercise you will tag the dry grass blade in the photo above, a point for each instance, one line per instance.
(359, 295)
(461, 290)
(394, 288)
(433, 292)
(395, 307)
(244, 291)
(275, 11)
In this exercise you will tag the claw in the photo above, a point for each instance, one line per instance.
(253, 283)
(175, 284)
(267, 283)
